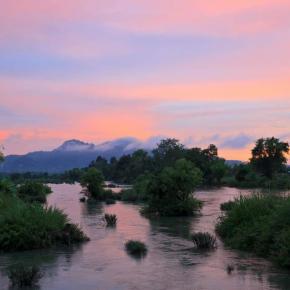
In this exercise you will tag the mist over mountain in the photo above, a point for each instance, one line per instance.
(77, 154)
(71, 154)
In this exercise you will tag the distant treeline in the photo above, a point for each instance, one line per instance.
(266, 168)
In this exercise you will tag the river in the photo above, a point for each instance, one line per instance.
(172, 263)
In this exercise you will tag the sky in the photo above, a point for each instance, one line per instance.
(203, 72)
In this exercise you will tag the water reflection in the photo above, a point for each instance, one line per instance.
(171, 261)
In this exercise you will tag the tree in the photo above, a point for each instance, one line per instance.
(268, 156)
(170, 191)
(1, 156)
(167, 152)
(93, 181)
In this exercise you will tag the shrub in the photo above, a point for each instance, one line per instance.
(110, 219)
(23, 276)
(260, 224)
(227, 205)
(26, 226)
(204, 241)
(136, 248)
(110, 201)
(170, 192)
(93, 181)
(33, 191)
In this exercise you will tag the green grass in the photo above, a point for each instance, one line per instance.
(25, 226)
(23, 276)
(259, 223)
(204, 241)
(136, 248)
(33, 191)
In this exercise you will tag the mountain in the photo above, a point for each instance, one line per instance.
(71, 154)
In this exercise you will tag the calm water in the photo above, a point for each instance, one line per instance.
(171, 262)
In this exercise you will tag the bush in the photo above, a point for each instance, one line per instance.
(33, 191)
(93, 181)
(26, 226)
(227, 205)
(204, 241)
(136, 248)
(110, 201)
(260, 224)
(22, 276)
(170, 193)
(110, 219)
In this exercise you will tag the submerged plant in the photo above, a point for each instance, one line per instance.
(136, 248)
(205, 241)
(230, 268)
(83, 199)
(110, 219)
(23, 276)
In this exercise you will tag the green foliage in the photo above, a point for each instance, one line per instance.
(7, 186)
(93, 181)
(110, 201)
(227, 205)
(136, 248)
(110, 219)
(268, 156)
(170, 191)
(25, 226)
(167, 153)
(204, 241)
(260, 224)
(139, 191)
(24, 276)
(33, 191)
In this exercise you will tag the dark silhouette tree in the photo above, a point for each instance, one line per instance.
(269, 156)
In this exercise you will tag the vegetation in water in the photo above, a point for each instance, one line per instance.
(227, 205)
(136, 248)
(204, 241)
(110, 201)
(33, 191)
(21, 275)
(259, 223)
(170, 193)
(25, 226)
(110, 219)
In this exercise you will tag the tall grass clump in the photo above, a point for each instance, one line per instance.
(227, 205)
(136, 248)
(25, 226)
(110, 219)
(259, 223)
(204, 241)
(24, 276)
(33, 191)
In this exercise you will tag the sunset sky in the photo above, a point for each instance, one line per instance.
(201, 71)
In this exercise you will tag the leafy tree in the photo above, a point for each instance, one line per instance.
(167, 153)
(218, 170)
(93, 181)
(170, 191)
(268, 156)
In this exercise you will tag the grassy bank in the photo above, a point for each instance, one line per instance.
(259, 224)
(25, 226)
